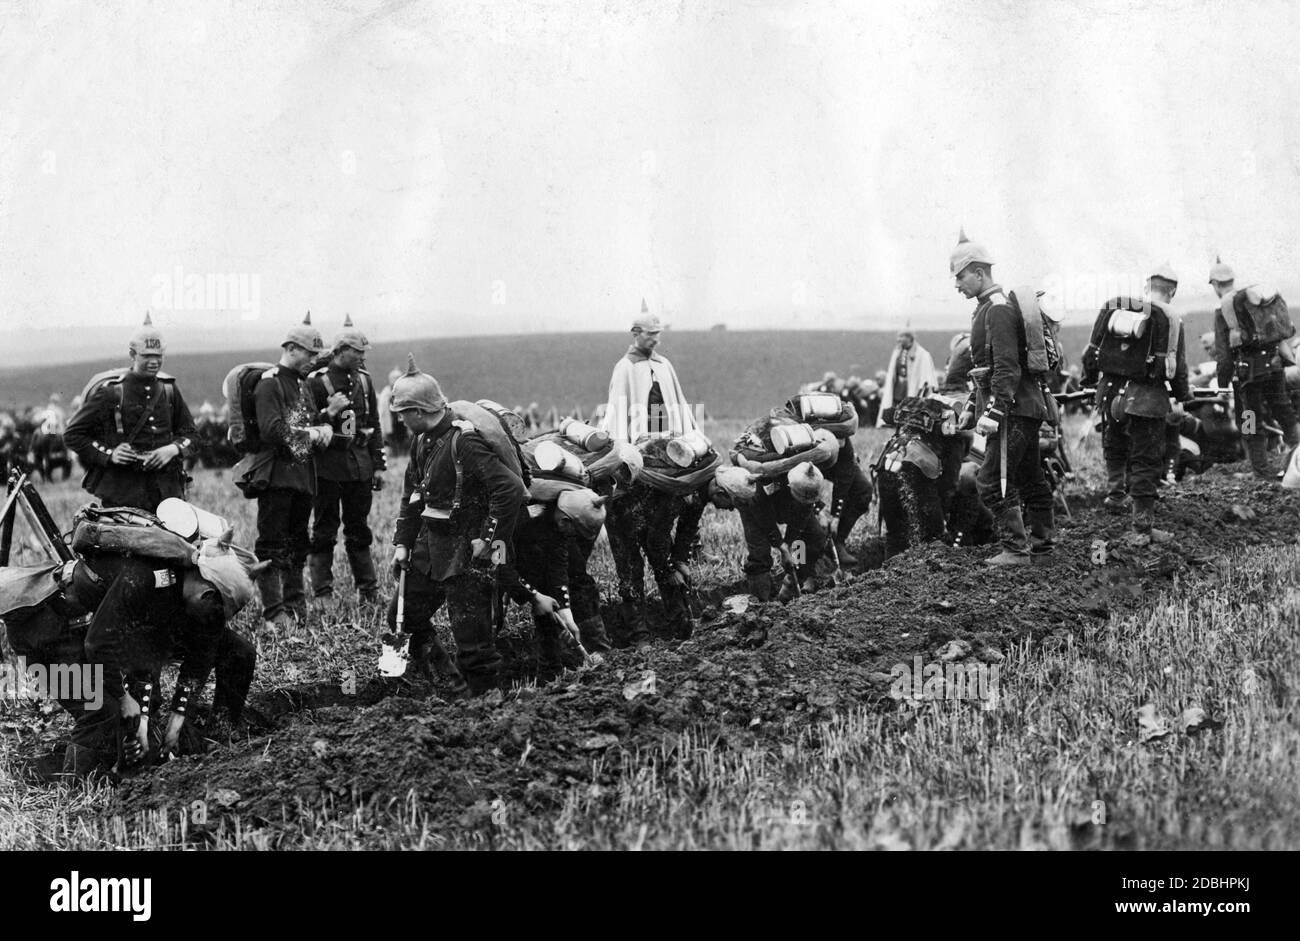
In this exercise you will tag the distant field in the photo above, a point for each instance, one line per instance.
(733, 374)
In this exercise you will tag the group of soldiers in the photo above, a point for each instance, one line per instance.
(478, 523)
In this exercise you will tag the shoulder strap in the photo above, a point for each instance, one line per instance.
(1227, 307)
(1175, 335)
(325, 381)
(117, 409)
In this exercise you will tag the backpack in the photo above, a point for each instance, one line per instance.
(493, 430)
(239, 388)
(1129, 339)
(1042, 343)
(114, 378)
(1256, 318)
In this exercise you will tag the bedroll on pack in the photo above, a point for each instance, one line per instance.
(1042, 343)
(1256, 317)
(494, 432)
(661, 473)
(825, 410)
(239, 387)
(100, 378)
(127, 531)
(823, 452)
(601, 464)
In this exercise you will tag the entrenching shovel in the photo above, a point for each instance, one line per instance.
(1002, 452)
(574, 636)
(832, 525)
(395, 657)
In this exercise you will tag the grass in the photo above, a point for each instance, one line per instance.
(1059, 762)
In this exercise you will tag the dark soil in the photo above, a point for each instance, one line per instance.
(748, 679)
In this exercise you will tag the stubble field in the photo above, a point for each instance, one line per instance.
(774, 727)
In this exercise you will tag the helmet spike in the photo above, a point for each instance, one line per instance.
(307, 320)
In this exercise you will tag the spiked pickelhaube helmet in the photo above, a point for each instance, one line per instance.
(415, 389)
(967, 253)
(304, 335)
(350, 336)
(147, 340)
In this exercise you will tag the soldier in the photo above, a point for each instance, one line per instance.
(134, 431)
(282, 474)
(1012, 406)
(1136, 370)
(459, 507)
(911, 369)
(792, 500)
(348, 471)
(642, 520)
(546, 539)
(1257, 372)
(644, 394)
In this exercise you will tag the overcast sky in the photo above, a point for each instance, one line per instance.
(462, 168)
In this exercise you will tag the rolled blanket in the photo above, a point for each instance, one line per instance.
(824, 453)
(662, 474)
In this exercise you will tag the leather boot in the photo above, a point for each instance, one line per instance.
(1144, 515)
(847, 559)
(1042, 531)
(295, 597)
(760, 585)
(363, 574)
(1117, 502)
(1257, 451)
(1015, 542)
(430, 657)
(638, 632)
(594, 638)
(677, 610)
(547, 633)
(321, 567)
(270, 587)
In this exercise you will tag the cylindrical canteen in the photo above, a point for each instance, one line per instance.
(819, 406)
(685, 450)
(584, 435)
(553, 459)
(790, 439)
(187, 520)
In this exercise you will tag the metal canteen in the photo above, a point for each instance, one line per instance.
(792, 438)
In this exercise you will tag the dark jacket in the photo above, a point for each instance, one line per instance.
(769, 510)
(541, 558)
(357, 450)
(490, 499)
(151, 417)
(1139, 369)
(997, 340)
(283, 415)
(1255, 364)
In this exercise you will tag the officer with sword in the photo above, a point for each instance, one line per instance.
(1011, 406)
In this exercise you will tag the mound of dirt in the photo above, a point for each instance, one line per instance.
(749, 677)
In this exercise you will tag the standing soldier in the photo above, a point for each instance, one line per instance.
(1012, 406)
(282, 474)
(459, 506)
(1257, 371)
(1137, 359)
(134, 429)
(347, 472)
(644, 394)
(911, 369)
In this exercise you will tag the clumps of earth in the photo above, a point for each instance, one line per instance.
(752, 675)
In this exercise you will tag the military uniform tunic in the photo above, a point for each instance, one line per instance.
(148, 417)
